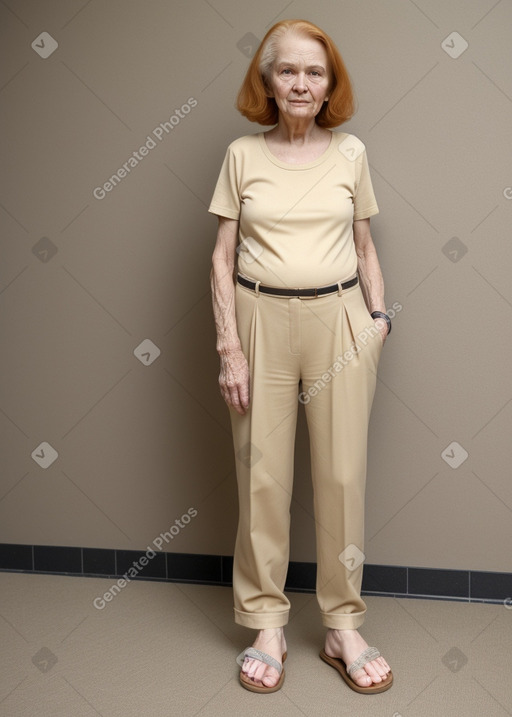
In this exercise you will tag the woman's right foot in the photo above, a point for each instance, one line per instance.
(273, 643)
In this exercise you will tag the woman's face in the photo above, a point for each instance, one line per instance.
(300, 78)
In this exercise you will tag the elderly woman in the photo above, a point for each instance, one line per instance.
(298, 298)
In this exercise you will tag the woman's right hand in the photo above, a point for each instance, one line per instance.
(234, 379)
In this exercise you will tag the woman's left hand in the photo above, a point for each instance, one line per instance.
(382, 326)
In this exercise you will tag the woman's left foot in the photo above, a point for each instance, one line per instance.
(272, 642)
(348, 645)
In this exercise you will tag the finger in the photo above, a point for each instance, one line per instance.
(230, 400)
(234, 400)
(243, 395)
(238, 398)
(239, 408)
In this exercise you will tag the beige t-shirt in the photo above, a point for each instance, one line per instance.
(295, 219)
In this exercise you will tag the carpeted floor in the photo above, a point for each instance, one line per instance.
(165, 649)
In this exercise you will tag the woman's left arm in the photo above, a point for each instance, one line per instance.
(370, 275)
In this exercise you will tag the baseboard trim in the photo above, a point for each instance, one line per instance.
(382, 580)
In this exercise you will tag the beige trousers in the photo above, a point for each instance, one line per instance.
(332, 344)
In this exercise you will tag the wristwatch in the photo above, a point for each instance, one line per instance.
(381, 315)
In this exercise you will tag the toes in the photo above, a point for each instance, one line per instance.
(384, 664)
(260, 673)
(371, 672)
(382, 667)
(271, 677)
(250, 668)
(362, 678)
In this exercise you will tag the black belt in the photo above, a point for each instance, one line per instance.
(295, 292)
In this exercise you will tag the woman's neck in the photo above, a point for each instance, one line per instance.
(296, 133)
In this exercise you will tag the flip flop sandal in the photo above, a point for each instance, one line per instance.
(371, 653)
(253, 653)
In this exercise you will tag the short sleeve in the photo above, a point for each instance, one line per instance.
(226, 196)
(365, 204)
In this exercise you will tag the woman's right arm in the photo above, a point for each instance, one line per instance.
(234, 370)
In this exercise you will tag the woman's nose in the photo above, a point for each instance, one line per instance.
(300, 83)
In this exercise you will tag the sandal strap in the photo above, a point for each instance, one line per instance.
(255, 654)
(371, 653)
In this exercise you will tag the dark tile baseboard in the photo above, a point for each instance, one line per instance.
(385, 580)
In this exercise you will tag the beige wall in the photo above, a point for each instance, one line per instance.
(138, 445)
